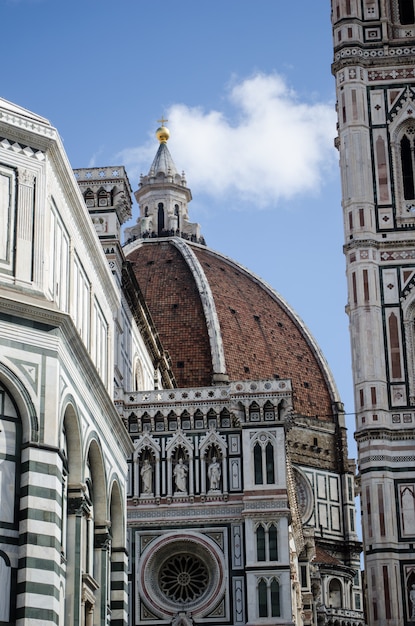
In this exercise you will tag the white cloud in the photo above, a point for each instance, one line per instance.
(271, 146)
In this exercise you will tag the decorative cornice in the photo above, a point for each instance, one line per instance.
(388, 434)
(372, 52)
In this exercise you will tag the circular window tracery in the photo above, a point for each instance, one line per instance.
(183, 578)
(181, 572)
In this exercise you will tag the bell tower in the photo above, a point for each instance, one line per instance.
(374, 69)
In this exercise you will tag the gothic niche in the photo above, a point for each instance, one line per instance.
(146, 473)
(180, 472)
(214, 470)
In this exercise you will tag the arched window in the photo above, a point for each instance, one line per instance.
(335, 594)
(269, 456)
(138, 376)
(264, 462)
(10, 443)
(88, 555)
(407, 166)
(260, 543)
(275, 599)
(267, 542)
(404, 156)
(5, 577)
(258, 464)
(160, 218)
(269, 598)
(273, 543)
(177, 214)
(395, 349)
(262, 599)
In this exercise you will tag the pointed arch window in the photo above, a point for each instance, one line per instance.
(395, 348)
(269, 456)
(407, 165)
(267, 542)
(264, 462)
(258, 464)
(269, 598)
(177, 214)
(273, 543)
(260, 543)
(160, 218)
(262, 599)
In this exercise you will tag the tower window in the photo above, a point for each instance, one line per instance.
(260, 543)
(269, 454)
(407, 165)
(160, 219)
(267, 543)
(269, 598)
(262, 599)
(264, 464)
(258, 464)
(406, 11)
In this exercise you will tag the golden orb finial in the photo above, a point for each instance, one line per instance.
(162, 133)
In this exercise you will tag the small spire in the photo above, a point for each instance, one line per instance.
(162, 133)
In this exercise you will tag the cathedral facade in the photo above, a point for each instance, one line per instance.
(374, 68)
(173, 444)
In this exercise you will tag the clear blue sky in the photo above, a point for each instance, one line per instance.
(248, 91)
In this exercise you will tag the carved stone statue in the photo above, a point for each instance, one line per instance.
(180, 476)
(214, 474)
(147, 476)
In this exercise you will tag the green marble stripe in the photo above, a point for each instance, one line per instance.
(38, 467)
(118, 566)
(119, 605)
(119, 585)
(43, 615)
(38, 539)
(36, 563)
(42, 589)
(41, 492)
(40, 516)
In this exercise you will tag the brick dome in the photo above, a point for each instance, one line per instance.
(217, 319)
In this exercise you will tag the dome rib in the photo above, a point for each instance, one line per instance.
(209, 308)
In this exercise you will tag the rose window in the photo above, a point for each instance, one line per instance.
(183, 578)
(183, 571)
